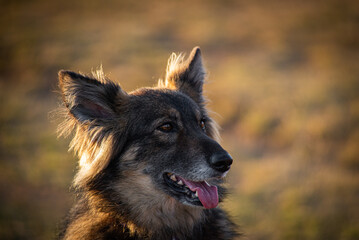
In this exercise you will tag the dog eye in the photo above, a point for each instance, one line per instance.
(202, 124)
(166, 127)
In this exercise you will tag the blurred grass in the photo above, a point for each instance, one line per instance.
(283, 78)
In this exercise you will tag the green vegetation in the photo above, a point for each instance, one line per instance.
(283, 78)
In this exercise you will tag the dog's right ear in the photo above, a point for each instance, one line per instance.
(187, 76)
(89, 99)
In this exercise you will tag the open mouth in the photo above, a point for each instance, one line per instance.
(195, 193)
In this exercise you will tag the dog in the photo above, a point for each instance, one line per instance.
(150, 165)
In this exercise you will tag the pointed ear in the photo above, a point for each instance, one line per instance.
(187, 76)
(90, 99)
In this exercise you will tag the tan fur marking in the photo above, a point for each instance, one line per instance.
(130, 154)
(174, 66)
(92, 161)
(152, 209)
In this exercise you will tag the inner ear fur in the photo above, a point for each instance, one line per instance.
(187, 75)
(90, 99)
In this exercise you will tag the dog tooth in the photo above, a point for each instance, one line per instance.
(196, 194)
(180, 182)
(173, 178)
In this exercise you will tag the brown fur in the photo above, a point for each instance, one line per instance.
(123, 154)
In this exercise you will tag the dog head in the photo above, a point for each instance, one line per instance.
(162, 135)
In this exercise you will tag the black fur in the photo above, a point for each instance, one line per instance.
(136, 148)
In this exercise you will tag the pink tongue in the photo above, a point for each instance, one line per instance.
(208, 195)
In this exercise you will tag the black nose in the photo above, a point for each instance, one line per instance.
(221, 161)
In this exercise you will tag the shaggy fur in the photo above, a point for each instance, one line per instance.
(140, 152)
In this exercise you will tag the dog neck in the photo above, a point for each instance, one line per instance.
(150, 214)
(150, 210)
(165, 219)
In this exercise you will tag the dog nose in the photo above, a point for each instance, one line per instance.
(221, 161)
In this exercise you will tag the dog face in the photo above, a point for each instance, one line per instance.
(172, 135)
(162, 139)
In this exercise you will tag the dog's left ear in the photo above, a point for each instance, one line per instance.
(90, 100)
(187, 76)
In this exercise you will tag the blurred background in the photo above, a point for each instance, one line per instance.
(283, 80)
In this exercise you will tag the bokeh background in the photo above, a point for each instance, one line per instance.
(283, 80)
